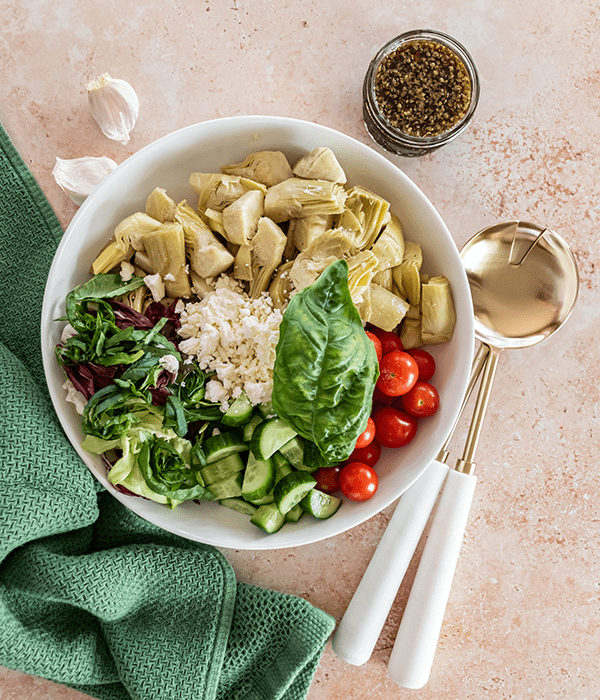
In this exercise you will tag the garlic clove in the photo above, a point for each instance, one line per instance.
(114, 105)
(77, 177)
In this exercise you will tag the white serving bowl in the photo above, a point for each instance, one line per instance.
(206, 147)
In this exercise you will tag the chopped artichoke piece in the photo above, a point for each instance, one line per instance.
(307, 229)
(371, 213)
(389, 246)
(240, 218)
(410, 333)
(142, 260)
(320, 164)
(136, 299)
(384, 278)
(112, 255)
(218, 191)
(267, 250)
(438, 315)
(281, 285)
(130, 230)
(407, 275)
(166, 251)
(414, 312)
(266, 167)
(214, 219)
(364, 306)
(200, 286)
(296, 197)
(307, 267)
(361, 268)
(387, 309)
(208, 256)
(242, 267)
(160, 206)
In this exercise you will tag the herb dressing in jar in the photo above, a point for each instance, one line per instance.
(419, 93)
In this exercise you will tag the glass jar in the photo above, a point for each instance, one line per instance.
(412, 106)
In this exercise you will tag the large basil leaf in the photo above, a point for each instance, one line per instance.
(326, 366)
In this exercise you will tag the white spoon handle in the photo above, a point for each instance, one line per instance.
(359, 629)
(412, 656)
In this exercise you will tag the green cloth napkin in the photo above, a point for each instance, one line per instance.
(91, 595)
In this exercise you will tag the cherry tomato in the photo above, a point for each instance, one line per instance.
(389, 340)
(377, 343)
(425, 362)
(398, 373)
(422, 400)
(394, 428)
(367, 436)
(328, 479)
(381, 399)
(368, 455)
(358, 481)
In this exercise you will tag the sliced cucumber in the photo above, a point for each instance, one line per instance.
(239, 504)
(293, 450)
(269, 436)
(269, 498)
(222, 468)
(291, 490)
(320, 505)
(282, 466)
(231, 487)
(268, 518)
(239, 413)
(219, 446)
(259, 478)
(294, 514)
(265, 410)
(250, 425)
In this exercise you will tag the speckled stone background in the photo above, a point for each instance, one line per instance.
(523, 619)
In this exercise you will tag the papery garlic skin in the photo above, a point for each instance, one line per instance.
(114, 105)
(77, 177)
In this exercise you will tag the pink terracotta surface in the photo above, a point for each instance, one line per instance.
(523, 619)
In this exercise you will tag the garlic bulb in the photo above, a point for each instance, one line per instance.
(78, 177)
(114, 105)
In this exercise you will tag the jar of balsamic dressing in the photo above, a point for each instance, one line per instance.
(420, 92)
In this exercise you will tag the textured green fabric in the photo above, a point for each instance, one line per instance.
(92, 596)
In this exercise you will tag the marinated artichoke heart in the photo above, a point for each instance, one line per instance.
(407, 275)
(267, 167)
(370, 211)
(126, 241)
(389, 246)
(200, 286)
(240, 218)
(214, 220)
(303, 232)
(218, 191)
(208, 256)
(297, 197)
(242, 267)
(438, 315)
(387, 309)
(320, 164)
(160, 206)
(166, 250)
(281, 285)
(325, 250)
(410, 333)
(384, 279)
(267, 250)
(361, 268)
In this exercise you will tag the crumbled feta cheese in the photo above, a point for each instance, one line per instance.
(169, 277)
(155, 285)
(235, 336)
(170, 363)
(127, 270)
(75, 397)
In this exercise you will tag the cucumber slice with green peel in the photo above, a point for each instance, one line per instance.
(231, 487)
(239, 413)
(259, 478)
(239, 505)
(219, 446)
(291, 490)
(293, 450)
(269, 498)
(268, 518)
(222, 468)
(306, 468)
(265, 410)
(269, 436)
(282, 466)
(248, 429)
(320, 505)
(294, 514)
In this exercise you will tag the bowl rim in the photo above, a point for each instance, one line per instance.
(327, 528)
